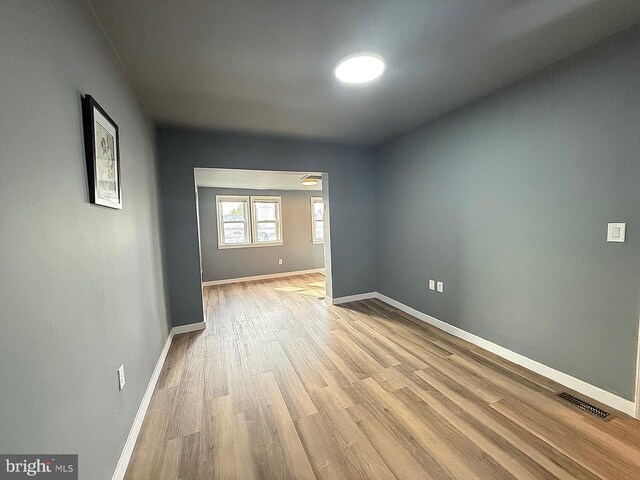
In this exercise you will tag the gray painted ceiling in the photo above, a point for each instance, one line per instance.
(266, 65)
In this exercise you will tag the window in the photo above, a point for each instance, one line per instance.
(267, 228)
(233, 221)
(317, 220)
(248, 221)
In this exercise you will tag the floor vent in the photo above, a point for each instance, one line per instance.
(582, 405)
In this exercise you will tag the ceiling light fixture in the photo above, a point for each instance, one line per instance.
(310, 180)
(360, 67)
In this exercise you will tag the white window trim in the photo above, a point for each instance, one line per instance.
(233, 198)
(251, 225)
(254, 221)
(314, 239)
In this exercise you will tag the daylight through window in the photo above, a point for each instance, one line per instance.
(266, 220)
(245, 221)
(233, 220)
(317, 220)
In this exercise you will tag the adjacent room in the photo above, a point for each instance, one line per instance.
(337, 239)
(257, 225)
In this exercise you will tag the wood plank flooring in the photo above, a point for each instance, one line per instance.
(282, 385)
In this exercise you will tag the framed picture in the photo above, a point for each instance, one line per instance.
(102, 147)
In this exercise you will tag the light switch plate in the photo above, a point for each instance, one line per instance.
(432, 284)
(440, 287)
(616, 232)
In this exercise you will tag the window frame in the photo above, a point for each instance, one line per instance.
(254, 199)
(315, 240)
(251, 223)
(220, 222)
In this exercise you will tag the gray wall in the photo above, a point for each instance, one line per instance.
(80, 285)
(298, 252)
(349, 192)
(507, 201)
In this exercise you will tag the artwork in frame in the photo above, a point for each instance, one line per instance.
(102, 146)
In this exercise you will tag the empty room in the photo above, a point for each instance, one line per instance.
(320, 239)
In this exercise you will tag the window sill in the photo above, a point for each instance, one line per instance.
(250, 245)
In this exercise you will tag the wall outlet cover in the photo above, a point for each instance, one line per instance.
(432, 284)
(121, 377)
(279, 261)
(616, 232)
(440, 287)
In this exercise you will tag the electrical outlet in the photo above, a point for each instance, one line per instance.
(440, 287)
(279, 261)
(432, 284)
(121, 377)
(615, 232)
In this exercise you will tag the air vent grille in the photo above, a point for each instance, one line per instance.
(582, 405)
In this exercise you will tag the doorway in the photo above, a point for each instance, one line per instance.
(259, 224)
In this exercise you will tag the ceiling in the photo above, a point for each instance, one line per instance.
(266, 66)
(253, 179)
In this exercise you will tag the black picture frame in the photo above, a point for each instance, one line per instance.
(102, 150)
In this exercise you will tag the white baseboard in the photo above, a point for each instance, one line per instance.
(637, 412)
(130, 444)
(597, 393)
(127, 451)
(262, 277)
(352, 298)
(189, 327)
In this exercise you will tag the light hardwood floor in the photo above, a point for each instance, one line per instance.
(282, 385)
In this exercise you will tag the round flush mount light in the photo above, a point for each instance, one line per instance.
(309, 180)
(360, 67)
